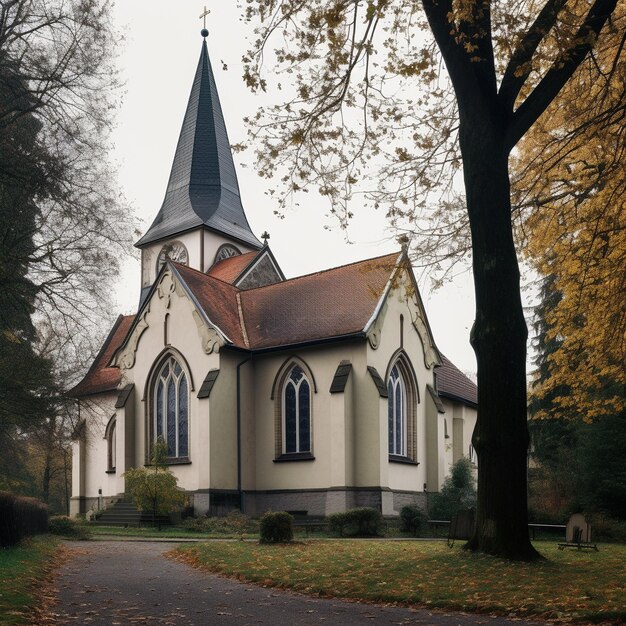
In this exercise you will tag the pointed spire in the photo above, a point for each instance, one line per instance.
(203, 188)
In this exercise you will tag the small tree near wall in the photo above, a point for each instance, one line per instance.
(458, 492)
(155, 488)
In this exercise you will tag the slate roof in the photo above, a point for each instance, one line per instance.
(454, 384)
(101, 378)
(202, 190)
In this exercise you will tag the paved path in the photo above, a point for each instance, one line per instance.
(117, 582)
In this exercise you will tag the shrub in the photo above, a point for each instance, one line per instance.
(67, 527)
(276, 527)
(234, 523)
(361, 522)
(458, 492)
(154, 489)
(412, 519)
(9, 531)
(20, 517)
(605, 528)
(337, 523)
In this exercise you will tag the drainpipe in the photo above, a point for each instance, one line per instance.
(241, 502)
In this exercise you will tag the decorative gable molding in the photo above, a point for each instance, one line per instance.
(167, 287)
(431, 354)
(209, 338)
(125, 358)
(171, 284)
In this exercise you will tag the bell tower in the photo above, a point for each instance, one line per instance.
(202, 218)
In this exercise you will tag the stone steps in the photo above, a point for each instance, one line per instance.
(123, 513)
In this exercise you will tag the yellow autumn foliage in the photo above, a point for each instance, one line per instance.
(570, 188)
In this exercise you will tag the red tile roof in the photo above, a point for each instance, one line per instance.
(453, 383)
(218, 300)
(100, 377)
(325, 305)
(328, 304)
(231, 268)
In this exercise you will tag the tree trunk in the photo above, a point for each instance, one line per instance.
(499, 340)
(45, 481)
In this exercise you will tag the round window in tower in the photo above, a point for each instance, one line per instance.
(174, 251)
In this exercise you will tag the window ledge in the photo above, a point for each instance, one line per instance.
(110, 471)
(394, 458)
(294, 456)
(183, 460)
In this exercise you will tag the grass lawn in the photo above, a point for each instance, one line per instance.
(569, 586)
(177, 532)
(23, 570)
(171, 532)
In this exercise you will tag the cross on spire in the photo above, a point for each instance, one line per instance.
(203, 15)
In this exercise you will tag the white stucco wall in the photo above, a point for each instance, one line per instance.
(91, 475)
(201, 244)
(329, 422)
(349, 429)
(396, 332)
(186, 342)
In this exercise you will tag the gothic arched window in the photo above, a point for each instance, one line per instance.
(296, 426)
(109, 435)
(396, 389)
(402, 411)
(171, 408)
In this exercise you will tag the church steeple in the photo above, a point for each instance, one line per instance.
(203, 190)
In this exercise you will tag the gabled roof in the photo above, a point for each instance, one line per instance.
(217, 299)
(231, 268)
(100, 377)
(334, 303)
(454, 384)
(202, 190)
(238, 270)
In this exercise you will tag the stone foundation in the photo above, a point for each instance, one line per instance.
(80, 506)
(323, 502)
(314, 502)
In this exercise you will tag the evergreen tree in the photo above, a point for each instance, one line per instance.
(26, 381)
(458, 492)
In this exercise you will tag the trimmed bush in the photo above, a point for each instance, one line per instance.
(276, 527)
(67, 527)
(412, 519)
(361, 522)
(20, 517)
(234, 523)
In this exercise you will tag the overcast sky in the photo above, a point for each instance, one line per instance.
(158, 58)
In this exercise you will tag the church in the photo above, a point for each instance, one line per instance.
(312, 394)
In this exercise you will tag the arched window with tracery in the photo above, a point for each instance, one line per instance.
(397, 412)
(171, 408)
(296, 401)
(402, 411)
(111, 440)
